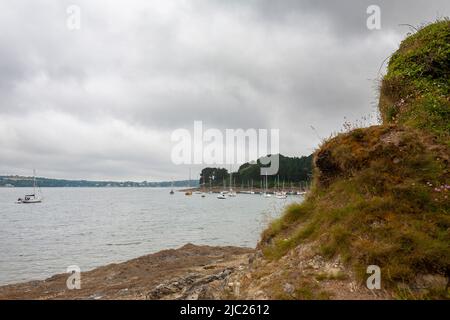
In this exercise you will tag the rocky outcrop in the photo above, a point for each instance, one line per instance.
(190, 272)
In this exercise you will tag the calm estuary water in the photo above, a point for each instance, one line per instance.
(91, 227)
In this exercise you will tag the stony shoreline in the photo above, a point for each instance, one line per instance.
(183, 273)
(195, 272)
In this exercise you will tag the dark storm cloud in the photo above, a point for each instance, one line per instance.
(102, 102)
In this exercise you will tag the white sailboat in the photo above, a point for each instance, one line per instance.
(221, 196)
(266, 194)
(231, 193)
(32, 198)
(171, 186)
(281, 194)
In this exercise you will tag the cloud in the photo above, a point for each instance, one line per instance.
(101, 102)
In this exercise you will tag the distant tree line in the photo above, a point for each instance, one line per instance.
(19, 181)
(294, 171)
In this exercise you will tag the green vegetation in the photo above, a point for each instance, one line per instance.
(292, 170)
(415, 91)
(381, 194)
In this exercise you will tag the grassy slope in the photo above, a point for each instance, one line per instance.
(415, 91)
(381, 193)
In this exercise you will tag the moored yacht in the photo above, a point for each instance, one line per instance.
(32, 198)
(221, 196)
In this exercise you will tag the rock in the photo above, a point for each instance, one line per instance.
(191, 287)
(225, 273)
(259, 295)
(334, 272)
(95, 296)
(159, 291)
(288, 288)
(123, 291)
(353, 286)
(431, 281)
(316, 262)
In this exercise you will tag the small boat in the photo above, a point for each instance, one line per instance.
(221, 196)
(231, 193)
(203, 195)
(265, 193)
(189, 192)
(31, 198)
(171, 192)
(280, 195)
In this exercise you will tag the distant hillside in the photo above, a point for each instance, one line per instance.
(293, 170)
(20, 181)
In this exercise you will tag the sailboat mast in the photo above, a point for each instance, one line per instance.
(189, 181)
(231, 178)
(34, 181)
(266, 182)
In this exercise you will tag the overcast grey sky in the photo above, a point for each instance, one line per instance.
(101, 102)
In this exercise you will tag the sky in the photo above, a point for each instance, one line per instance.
(101, 101)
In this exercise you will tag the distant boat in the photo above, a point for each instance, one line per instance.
(171, 191)
(280, 195)
(221, 196)
(189, 193)
(231, 193)
(266, 194)
(31, 198)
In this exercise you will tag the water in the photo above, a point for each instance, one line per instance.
(90, 227)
